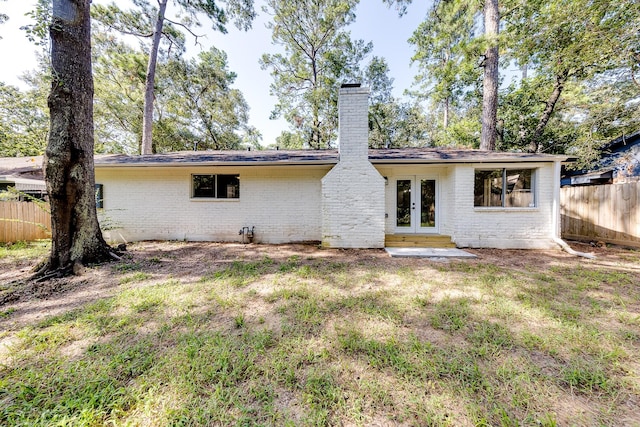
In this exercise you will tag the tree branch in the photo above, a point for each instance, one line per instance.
(194, 35)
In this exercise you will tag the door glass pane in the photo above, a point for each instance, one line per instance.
(427, 203)
(403, 203)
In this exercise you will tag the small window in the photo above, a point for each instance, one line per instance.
(507, 188)
(99, 196)
(216, 186)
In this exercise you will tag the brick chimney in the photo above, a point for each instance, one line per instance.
(353, 192)
(353, 122)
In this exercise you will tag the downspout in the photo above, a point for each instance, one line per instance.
(556, 218)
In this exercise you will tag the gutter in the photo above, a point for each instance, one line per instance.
(196, 164)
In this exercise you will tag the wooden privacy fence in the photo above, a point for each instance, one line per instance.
(24, 221)
(607, 213)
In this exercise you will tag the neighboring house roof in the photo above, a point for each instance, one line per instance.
(319, 157)
(30, 167)
(619, 161)
(23, 173)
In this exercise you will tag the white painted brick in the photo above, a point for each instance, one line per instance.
(476, 227)
(343, 206)
(352, 192)
(151, 203)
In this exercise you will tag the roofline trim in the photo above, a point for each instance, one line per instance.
(466, 161)
(218, 163)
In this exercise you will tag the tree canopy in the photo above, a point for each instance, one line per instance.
(577, 86)
(577, 89)
(149, 22)
(318, 54)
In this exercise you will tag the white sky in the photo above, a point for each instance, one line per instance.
(374, 22)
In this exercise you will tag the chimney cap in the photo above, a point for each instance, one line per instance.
(344, 85)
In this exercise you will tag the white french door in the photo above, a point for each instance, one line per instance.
(416, 204)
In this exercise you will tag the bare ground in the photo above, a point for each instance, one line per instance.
(30, 302)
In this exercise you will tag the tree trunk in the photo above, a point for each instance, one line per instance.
(491, 77)
(445, 118)
(149, 83)
(558, 87)
(69, 173)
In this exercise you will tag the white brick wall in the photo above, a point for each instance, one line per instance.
(353, 206)
(353, 191)
(480, 227)
(520, 228)
(353, 124)
(343, 206)
(152, 203)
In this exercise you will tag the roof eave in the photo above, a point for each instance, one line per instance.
(469, 161)
(219, 163)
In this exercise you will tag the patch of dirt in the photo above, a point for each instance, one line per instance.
(30, 301)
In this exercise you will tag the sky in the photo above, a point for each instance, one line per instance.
(375, 22)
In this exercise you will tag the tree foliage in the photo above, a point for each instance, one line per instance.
(119, 74)
(392, 123)
(574, 47)
(199, 107)
(150, 22)
(319, 54)
(447, 53)
(24, 122)
(581, 57)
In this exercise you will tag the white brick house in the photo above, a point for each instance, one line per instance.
(351, 197)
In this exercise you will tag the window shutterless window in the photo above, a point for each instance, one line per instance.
(215, 186)
(508, 188)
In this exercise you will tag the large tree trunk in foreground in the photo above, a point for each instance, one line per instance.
(76, 235)
(149, 83)
(491, 76)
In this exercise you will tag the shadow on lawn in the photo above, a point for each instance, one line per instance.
(332, 337)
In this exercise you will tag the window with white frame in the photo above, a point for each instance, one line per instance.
(507, 188)
(215, 186)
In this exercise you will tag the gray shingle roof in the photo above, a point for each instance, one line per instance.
(319, 157)
(221, 158)
(30, 166)
(451, 155)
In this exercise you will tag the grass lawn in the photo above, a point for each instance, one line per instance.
(225, 334)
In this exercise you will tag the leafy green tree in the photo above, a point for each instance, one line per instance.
(391, 123)
(318, 55)
(290, 141)
(584, 47)
(200, 108)
(150, 22)
(24, 122)
(119, 75)
(195, 105)
(447, 55)
(581, 57)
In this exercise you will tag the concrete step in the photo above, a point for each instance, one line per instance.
(418, 241)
